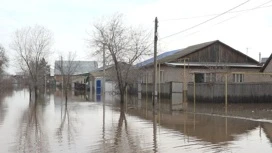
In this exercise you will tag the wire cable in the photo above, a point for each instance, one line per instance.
(205, 20)
(259, 6)
(208, 15)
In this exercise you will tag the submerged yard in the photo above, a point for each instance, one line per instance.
(85, 125)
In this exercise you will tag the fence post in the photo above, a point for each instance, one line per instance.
(194, 92)
(159, 79)
(226, 93)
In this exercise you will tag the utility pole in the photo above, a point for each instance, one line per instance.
(62, 73)
(155, 62)
(104, 80)
(103, 94)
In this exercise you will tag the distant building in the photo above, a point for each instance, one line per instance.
(79, 69)
(263, 60)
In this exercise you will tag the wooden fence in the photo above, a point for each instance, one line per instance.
(164, 90)
(236, 92)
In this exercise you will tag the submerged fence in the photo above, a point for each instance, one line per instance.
(166, 90)
(236, 92)
(236, 88)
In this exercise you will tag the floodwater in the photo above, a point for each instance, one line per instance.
(49, 125)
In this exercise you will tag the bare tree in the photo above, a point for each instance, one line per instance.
(3, 59)
(4, 81)
(67, 69)
(123, 47)
(32, 45)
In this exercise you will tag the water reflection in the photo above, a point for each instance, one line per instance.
(66, 125)
(30, 130)
(211, 129)
(218, 131)
(4, 94)
(155, 144)
(267, 127)
(121, 138)
(51, 125)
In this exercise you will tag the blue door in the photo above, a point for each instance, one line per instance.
(98, 87)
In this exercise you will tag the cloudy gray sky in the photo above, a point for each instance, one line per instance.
(247, 28)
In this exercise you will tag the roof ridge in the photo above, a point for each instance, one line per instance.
(266, 63)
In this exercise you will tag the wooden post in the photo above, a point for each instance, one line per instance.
(184, 80)
(146, 95)
(155, 63)
(159, 86)
(194, 92)
(226, 93)
(146, 80)
(104, 80)
(159, 81)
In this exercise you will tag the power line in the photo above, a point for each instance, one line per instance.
(261, 5)
(206, 20)
(208, 15)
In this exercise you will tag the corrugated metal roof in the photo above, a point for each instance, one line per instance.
(172, 55)
(81, 66)
(183, 52)
(186, 51)
(159, 57)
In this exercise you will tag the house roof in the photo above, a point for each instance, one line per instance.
(196, 64)
(81, 67)
(159, 57)
(173, 55)
(266, 63)
(186, 51)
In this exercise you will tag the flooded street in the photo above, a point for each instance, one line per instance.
(87, 126)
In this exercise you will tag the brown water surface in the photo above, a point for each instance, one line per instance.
(49, 125)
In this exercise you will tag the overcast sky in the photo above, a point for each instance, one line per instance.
(70, 21)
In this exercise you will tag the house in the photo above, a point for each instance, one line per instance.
(78, 69)
(206, 62)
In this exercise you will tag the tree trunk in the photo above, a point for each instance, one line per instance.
(122, 98)
(29, 88)
(122, 95)
(36, 92)
(66, 94)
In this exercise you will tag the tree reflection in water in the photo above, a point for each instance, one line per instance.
(119, 138)
(118, 133)
(66, 125)
(3, 95)
(32, 137)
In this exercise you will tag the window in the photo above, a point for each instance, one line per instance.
(238, 77)
(210, 77)
(205, 77)
(199, 77)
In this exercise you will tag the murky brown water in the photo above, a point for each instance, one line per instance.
(84, 126)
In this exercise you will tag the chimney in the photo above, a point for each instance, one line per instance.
(260, 57)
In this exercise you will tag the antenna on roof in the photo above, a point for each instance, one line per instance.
(260, 57)
(247, 51)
